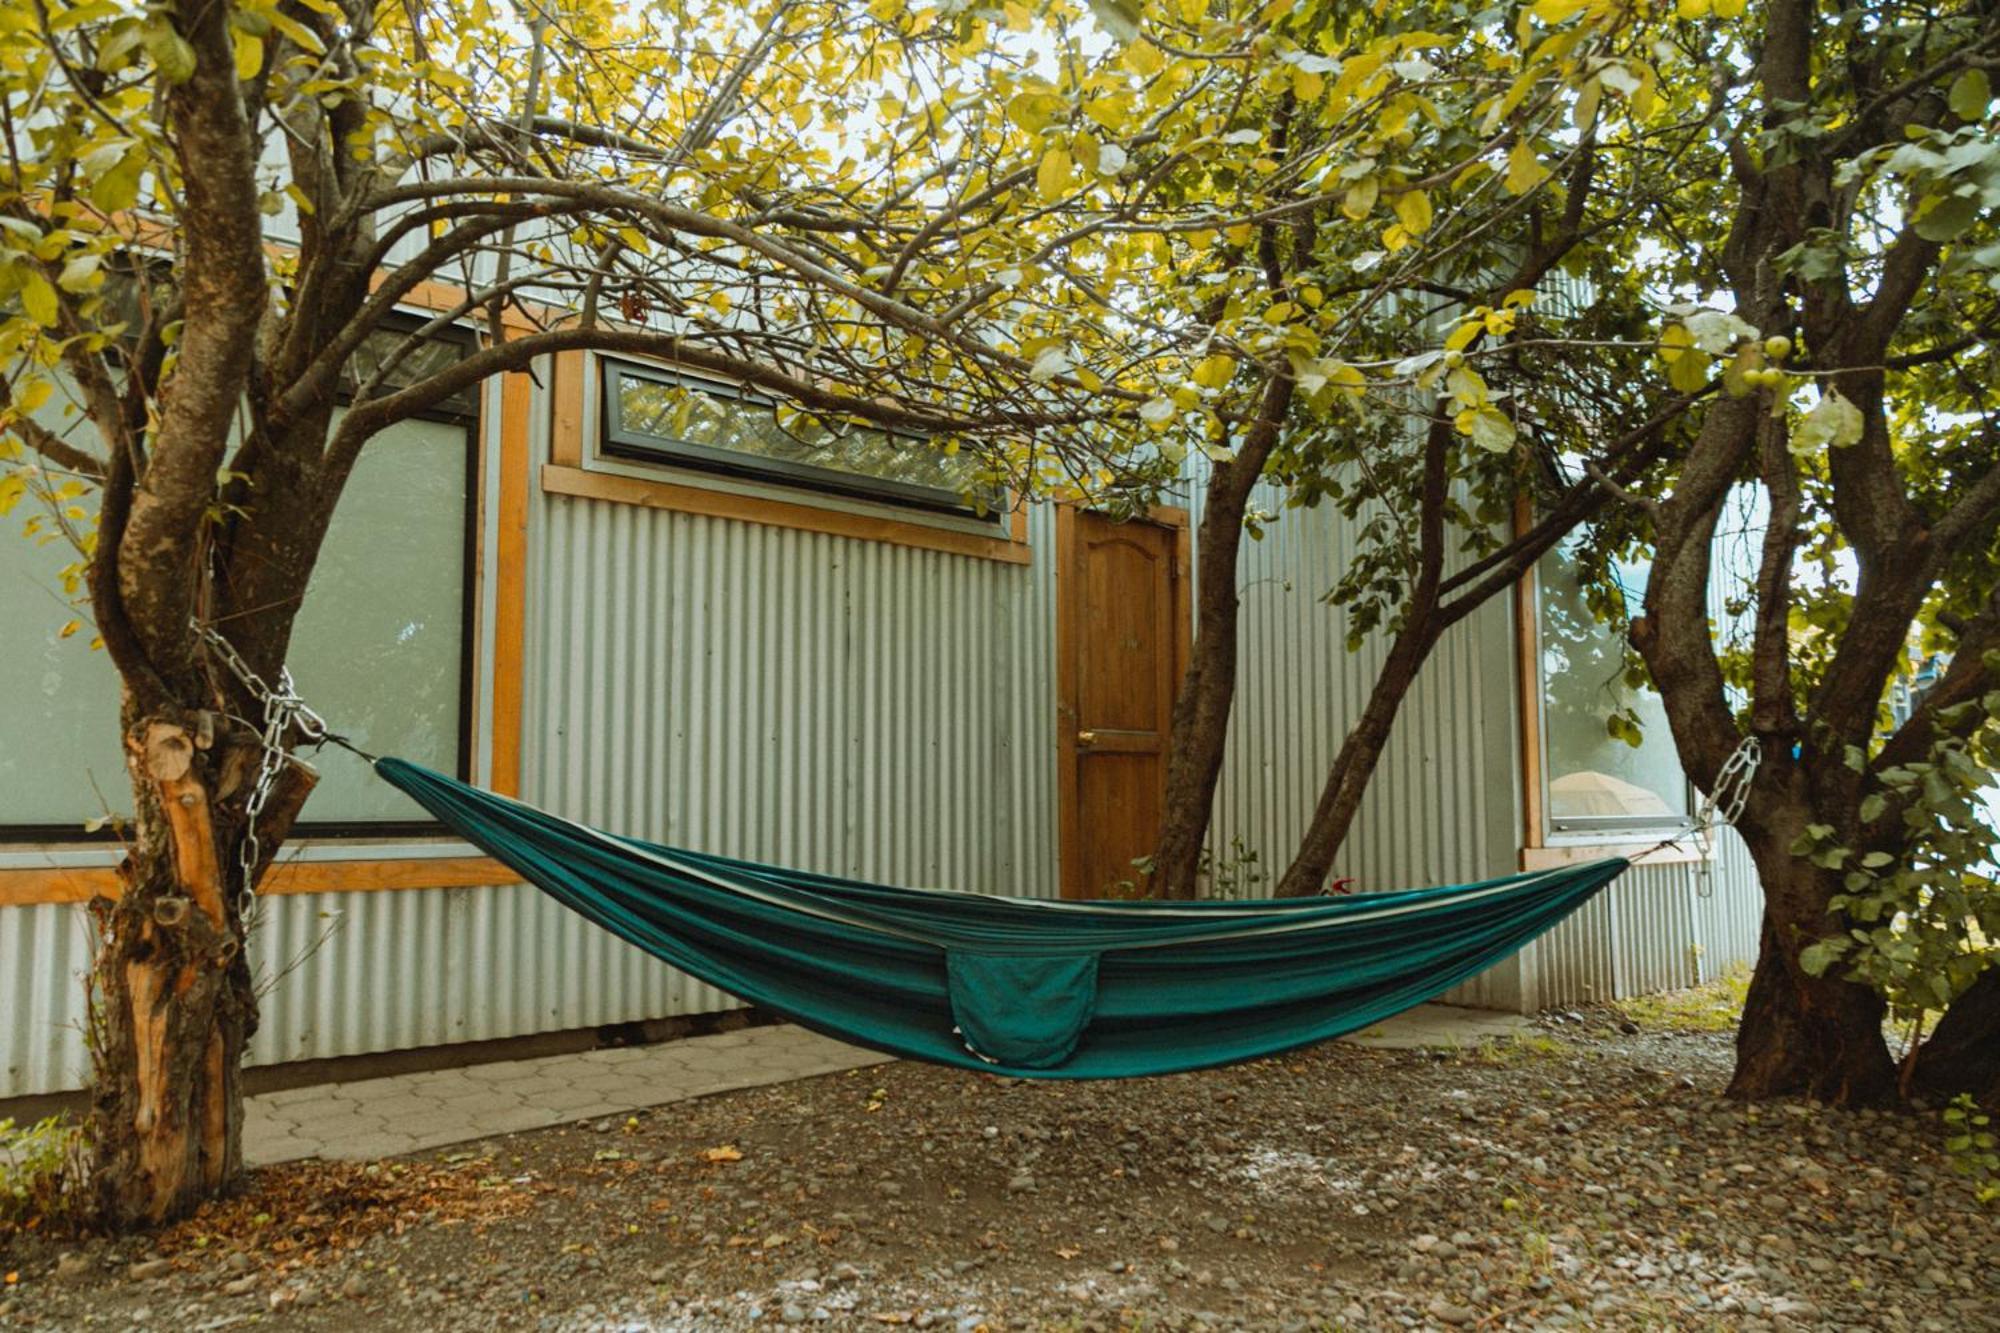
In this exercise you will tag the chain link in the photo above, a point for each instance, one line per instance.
(1727, 796)
(283, 711)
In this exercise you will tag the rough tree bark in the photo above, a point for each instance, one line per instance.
(173, 999)
(1803, 1035)
(1200, 729)
(1362, 748)
(1963, 1054)
(175, 1006)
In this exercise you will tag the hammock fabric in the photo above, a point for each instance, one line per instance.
(1028, 987)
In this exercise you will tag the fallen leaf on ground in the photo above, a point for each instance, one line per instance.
(728, 1152)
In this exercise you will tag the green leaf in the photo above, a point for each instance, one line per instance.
(1970, 94)
(1946, 216)
(1490, 430)
(171, 53)
(1120, 18)
(81, 274)
(1820, 955)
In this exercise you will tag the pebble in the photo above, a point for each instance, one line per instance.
(1604, 1184)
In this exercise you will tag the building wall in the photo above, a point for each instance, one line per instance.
(1445, 804)
(875, 710)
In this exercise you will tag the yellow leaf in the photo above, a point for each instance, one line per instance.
(719, 302)
(1413, 210)
(1084, 148)
(1461, 337)
(728, 1152)
(1034, 111)
(1359, 201)
(69, 629)
(1347, 379)
(1306, 85)
(249, 54)
(32, 394)
(1053, 176)
(1524, 170)
(38, 297)
(1213, 372)
(1687, 365)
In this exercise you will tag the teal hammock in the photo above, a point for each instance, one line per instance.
(1020, 986)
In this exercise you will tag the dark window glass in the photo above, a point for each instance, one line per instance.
(654, 415)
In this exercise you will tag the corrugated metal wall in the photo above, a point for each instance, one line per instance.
(838, 705)
(886, 712)
(1444, 805)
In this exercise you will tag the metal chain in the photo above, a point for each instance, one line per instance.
(1727, 796)
(284, 711)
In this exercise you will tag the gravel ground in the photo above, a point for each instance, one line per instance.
(1587, 1177)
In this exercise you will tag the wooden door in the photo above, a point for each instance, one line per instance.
(1120, 646)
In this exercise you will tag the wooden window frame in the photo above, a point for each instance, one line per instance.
(498, 714)
(569, 473)
(1539, 851)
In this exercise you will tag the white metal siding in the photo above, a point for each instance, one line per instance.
(1444, 805)
(889, 713)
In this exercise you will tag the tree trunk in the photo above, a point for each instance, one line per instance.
(173, 1003)
(174, 1006)
(1804, 1035)
(1963, 1055)
(1201, 711)
(1354, 766)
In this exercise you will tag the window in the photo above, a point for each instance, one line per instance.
(1598, 780)
(655, 415)
(380, 648)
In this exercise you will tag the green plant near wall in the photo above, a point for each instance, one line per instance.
(44, 1173)
(1924, 921)
(1969, 1144)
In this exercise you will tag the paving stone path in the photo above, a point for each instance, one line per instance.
(385, 1117)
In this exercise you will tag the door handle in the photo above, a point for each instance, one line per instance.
(1086, 738)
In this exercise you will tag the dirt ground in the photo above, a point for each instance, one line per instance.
(1588, 1176)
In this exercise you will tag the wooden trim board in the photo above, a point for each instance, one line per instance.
(619, 489)
(75, 884)
(510, 573)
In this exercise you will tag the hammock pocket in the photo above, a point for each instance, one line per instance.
(1030, 987)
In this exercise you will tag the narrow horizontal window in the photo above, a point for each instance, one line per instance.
(653, 415)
